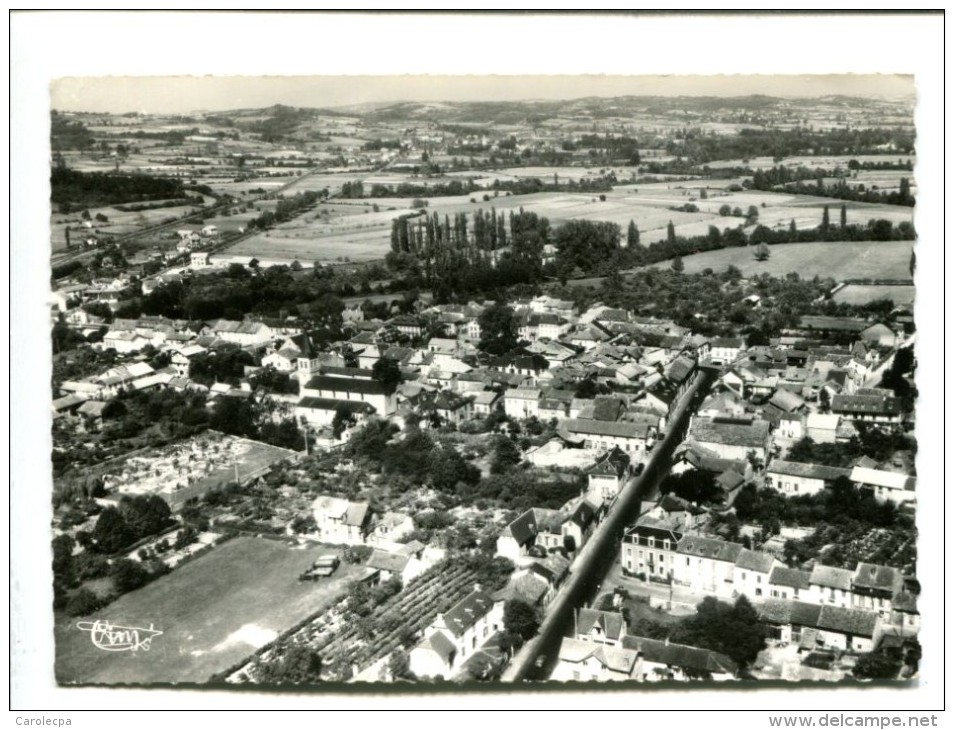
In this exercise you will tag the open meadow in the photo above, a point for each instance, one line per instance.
(212, 612)
(837, 260)
(352, 229)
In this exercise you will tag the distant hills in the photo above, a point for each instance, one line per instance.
(515, 112)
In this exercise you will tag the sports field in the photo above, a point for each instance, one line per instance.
(212, 613)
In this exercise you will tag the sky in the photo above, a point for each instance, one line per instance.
(183, 94)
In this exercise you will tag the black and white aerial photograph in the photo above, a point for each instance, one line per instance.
(423, 383)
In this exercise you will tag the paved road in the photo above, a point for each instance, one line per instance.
(537, 659)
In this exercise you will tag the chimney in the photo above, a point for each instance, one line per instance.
(667, 641)
(477, 588)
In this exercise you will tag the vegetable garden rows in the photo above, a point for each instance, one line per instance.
(348, 645)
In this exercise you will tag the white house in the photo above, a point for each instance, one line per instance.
(455, 635)
(822, 428)
(751, 573)
(588, 661)
(634, 437)
(341, 522)
(725, 350)
(706, 564)
(830, 586)
(794, 478)
(199, 260)
(886, 486)
(521, 402)
(360, 390)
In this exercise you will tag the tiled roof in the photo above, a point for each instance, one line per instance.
(679, 655)
(707, 547)
(790, 577)
(388, 561)
(345, 385)
(609, 623)
(619, 429)
(525, 528)
(615, 659)
(782, 612)
(848, 620)
(877, 577)
(754, 560)
(868, 404)
(809, 471)
(829, 577)
(333, 404)
(467, 612)
(440, 645)
(735, 432)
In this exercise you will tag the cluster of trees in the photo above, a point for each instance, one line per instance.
(621, 148)
(280, 123)
(698, 147)
(586, 245)
(233, 293)
(66, 134)
(137, 207)
(77, 190)
(355, 189)
(375, 145)
(498, 329)
(135, 518)
(793, 180)
(447, 256)
(694, 485)
(842, 502)
(871, 442)
(299, 664)
(416, 457)
(285, 210)
(844, 518)
(715, 297)
(520, 489)
(895, 377)
(70, 571)
(731, 629)
(531, 185)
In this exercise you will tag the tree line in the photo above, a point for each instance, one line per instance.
(77, 190)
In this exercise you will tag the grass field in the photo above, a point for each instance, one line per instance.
(835, 260)
(213, 612)
(865, 293)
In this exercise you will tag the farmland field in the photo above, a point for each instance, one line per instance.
(351, 229)
(213, 612)
(835, 260)
(865, 293)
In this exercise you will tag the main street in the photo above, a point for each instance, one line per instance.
(538, 657)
